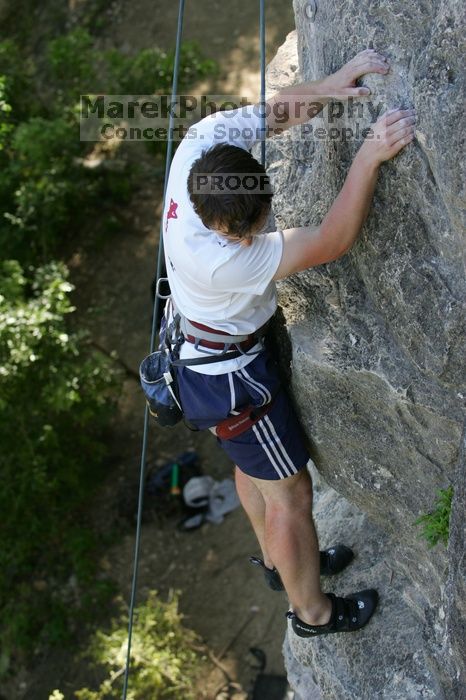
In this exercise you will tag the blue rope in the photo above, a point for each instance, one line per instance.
(176, 68)
(155, 312)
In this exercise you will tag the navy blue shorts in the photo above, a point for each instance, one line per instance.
(274, 447)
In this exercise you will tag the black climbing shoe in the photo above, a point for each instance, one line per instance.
(272, 577)
(335, 559)
(332, 561)
(349, 614)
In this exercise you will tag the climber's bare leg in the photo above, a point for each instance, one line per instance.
(291, 541)
(254, 505)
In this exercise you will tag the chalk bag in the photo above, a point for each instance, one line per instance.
(158, 384)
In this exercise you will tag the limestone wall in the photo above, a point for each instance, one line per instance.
(377, 344)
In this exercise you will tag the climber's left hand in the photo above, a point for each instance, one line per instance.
(343, 82)
(314, 95)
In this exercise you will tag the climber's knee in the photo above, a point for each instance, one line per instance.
(299, 495)
(293, 493)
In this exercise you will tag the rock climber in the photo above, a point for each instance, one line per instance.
(222, 267)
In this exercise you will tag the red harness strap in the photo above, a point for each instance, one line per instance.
(236, 425)
(246, 345)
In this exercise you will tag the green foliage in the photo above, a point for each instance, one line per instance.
(5, 110)
(6, 129)
(55, 395)
(150, 72)
(17, 74)
(436, 525)
(76, 68)
(55, 400)
(46, 190)
(164, 663)
(71, 63)
(47, 186)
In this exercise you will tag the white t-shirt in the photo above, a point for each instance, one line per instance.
(219, 283)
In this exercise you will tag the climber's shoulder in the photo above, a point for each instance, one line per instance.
(305, 247)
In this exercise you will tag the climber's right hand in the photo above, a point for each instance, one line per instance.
(391, 132)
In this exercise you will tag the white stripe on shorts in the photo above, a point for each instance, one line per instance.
(232, 393)
(280, 445)
(267, 451)
(274, 446)
(260, 388)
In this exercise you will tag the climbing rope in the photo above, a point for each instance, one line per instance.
(156, 304)
(262, 61)
(155, 312)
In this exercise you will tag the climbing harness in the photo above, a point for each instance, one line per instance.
(157, 371)
(204, 337)
(156, 303)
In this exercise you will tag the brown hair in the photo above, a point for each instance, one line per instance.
(238, 213)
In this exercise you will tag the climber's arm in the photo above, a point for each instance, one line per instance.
(306, 247)
(299, 103)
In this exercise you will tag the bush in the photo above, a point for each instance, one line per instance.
(436, 525)
(150, 72)
(54, 403)
(164, 664)
(47, 186)
(19, 85)
(71, 65)
(6, 129)
(74, 66)
(46, 192)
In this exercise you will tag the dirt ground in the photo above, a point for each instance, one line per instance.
(221, 594)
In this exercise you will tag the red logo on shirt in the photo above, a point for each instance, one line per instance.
(172, 212)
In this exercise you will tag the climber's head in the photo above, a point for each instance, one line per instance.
(230, 192)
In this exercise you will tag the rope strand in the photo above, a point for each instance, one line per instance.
(155, 312)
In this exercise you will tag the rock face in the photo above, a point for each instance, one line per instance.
(377, 369)
(389, 659)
